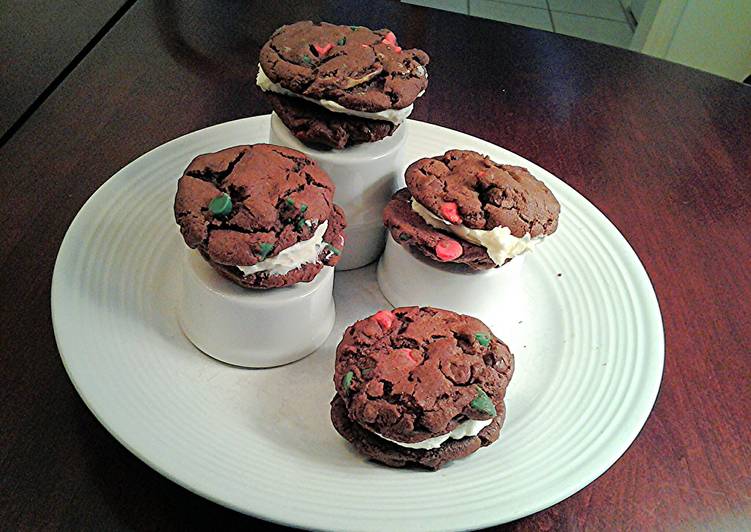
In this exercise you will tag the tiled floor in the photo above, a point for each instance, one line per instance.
(602, 21)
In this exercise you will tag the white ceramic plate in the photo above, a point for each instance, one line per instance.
(588, 343)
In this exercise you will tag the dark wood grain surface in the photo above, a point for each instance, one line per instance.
(662, 150)
(39, 41)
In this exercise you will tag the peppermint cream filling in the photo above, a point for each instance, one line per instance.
(293, 257)
(395, 116)
(499, 242)
(471, 427)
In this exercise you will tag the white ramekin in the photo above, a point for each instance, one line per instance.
(254, 328)
(365, 176)
(407, 279)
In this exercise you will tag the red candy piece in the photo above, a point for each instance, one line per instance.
(396, 48)
(385, 319)
(406, 359)
(390, 40)
(450, 211)
(448, 250)
(323, 50)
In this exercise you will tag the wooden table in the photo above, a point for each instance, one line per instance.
(662, 150)
(41, 42)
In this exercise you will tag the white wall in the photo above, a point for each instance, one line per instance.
(711, 35)
(637, 8)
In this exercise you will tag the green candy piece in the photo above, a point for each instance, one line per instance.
(307, 60)
(221, 205)
(300, 224)
(483, 403)
(265, 248)
(483, 339)
(403, 237)
(354, 28)
(303, 207)
(290, 202)
(347, 381)
(335, 251)
(342, 41)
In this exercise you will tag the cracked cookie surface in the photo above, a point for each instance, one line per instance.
(274, 198)
(358, 68)
(486, 194)
(416, 373)
(409, 230)
(315, 126)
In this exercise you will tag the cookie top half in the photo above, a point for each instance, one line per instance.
(483, 193)
(358, 68)
(415, 373)
(246, 204)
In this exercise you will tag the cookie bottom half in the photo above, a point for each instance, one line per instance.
(319, 128)
(391, 454)
(302, 274)
(411, 231)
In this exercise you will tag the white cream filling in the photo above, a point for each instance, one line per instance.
(471, 427)
(293, 257)
(499, 242)
(396, 116)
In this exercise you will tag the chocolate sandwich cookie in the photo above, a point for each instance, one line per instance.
(420, 386)
(350, 72)
(263, 216)
(462, 207)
